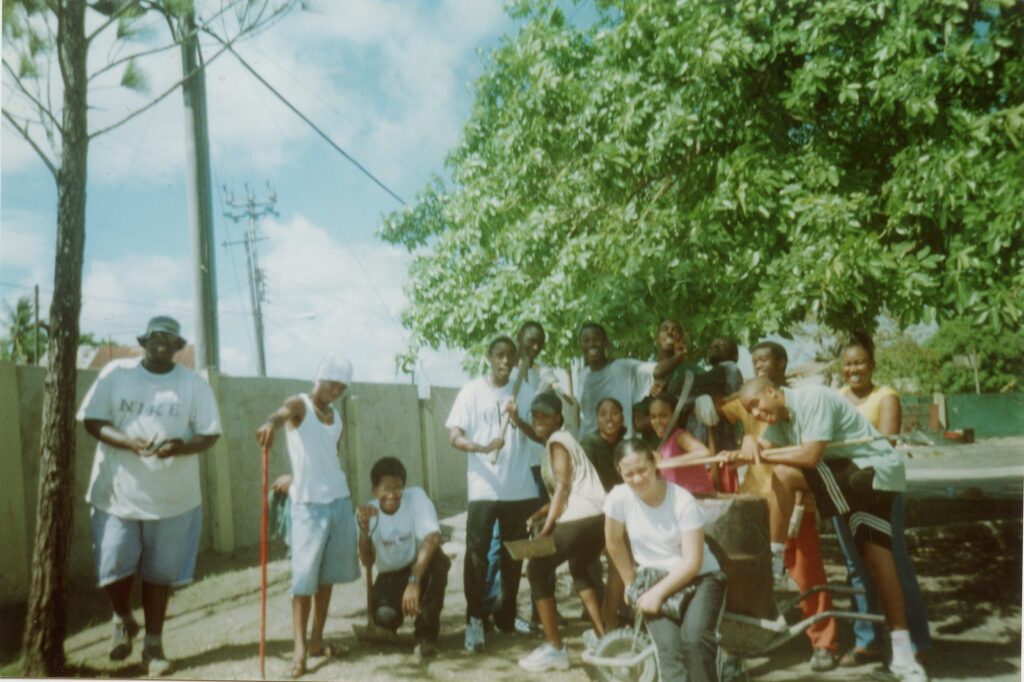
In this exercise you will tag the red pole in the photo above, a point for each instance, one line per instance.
(263, 564)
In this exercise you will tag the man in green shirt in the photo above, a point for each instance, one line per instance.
(857, 482)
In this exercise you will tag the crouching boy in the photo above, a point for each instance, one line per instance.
(398, 531)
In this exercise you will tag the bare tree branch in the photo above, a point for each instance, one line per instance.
(113, 18)
(161, 97)
(35, 100)
(136, 55)
(23, 131)
(225, 46)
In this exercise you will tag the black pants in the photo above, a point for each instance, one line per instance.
(511, 517)
(687, 650)
(388, 589)
(580, 543)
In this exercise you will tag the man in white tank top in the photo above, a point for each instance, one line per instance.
(324, 531)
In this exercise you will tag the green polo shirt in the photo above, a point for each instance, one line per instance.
(818, 413)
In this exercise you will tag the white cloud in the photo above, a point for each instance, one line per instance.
(120, 295)
(327, 298)
(26, 245)
(386, 79)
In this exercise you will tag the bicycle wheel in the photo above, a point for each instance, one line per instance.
(620, 644)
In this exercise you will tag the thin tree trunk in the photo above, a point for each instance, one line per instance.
(46, 622)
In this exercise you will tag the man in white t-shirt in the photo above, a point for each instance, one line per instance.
(399, 533)
(323, 526)
(151, 417)
(500, 484)
(624, 379)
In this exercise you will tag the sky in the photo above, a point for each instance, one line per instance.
(390, 81)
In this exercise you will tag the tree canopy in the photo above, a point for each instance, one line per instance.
(741, 165)
(958, 358)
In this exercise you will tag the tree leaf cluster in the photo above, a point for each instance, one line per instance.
(945, 363)
(743, 165)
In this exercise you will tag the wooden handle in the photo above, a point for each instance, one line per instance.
(264, 523)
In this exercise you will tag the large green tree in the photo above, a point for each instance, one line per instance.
(743, 165)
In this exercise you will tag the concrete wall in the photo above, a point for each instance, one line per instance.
(380, 419)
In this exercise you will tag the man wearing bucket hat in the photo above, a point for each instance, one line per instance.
(323, 525)
(151, 417)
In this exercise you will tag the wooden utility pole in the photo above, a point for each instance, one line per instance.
(251, 211)
(200, 197)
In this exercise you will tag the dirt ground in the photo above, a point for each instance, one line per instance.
(967, 553)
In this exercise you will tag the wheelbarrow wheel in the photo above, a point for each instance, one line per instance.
(620, 644)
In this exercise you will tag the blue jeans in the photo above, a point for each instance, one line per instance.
(866, 634)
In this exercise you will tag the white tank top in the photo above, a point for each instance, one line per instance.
(313, 451)
(586, 494)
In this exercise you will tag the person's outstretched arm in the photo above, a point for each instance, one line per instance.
(293, 410)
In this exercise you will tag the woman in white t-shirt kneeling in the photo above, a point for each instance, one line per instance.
(665, 529)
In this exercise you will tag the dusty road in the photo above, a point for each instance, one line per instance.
(969, 564)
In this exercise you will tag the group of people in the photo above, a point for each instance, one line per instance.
(624, 485)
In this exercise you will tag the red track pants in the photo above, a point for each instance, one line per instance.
(803, 562)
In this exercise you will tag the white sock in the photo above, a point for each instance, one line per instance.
(902, 653)
(778, 558)
(118, 618)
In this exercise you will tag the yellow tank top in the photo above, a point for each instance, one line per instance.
(871, 407)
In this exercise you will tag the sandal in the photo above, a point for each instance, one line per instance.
(858, 657)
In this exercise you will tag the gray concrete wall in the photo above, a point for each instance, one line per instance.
(380, 419)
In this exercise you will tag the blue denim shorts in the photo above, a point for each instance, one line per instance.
(161, 551)
(324, 545)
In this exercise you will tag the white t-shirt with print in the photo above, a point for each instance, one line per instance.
(626, 380)
(478, 409)
(397, 537)
(656, 533)
(154, 407)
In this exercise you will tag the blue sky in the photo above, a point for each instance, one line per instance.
(390, 81)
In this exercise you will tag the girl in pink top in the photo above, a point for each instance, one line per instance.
(694, 478)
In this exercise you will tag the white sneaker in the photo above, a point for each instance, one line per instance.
(910, 672)
(545, 657)
(474, 635)
(153, 658)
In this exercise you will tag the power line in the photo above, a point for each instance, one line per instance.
(342, 115)
(308, 122)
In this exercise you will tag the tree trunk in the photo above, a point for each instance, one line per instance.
(46, 622)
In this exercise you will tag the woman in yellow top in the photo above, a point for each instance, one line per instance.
(881, 406)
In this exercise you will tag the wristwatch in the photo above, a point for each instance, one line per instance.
(413, 580)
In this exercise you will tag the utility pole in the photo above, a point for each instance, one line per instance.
(200, 196)
(252, 211)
